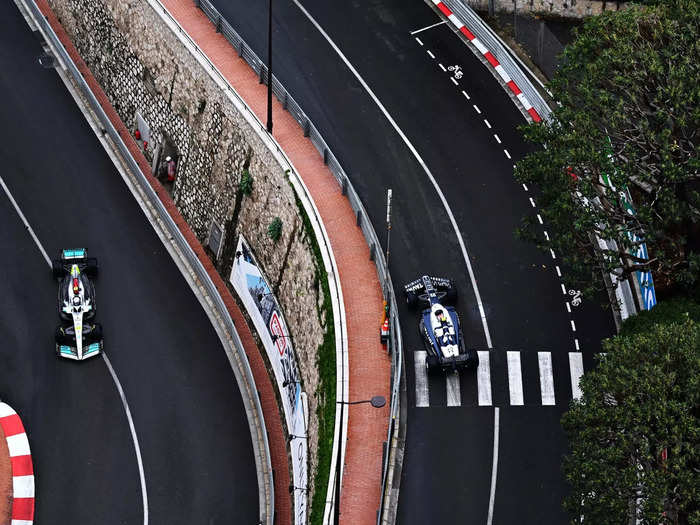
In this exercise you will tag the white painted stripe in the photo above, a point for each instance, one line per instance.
(497, 138)
(539, 218)
(502, 73)
(524, 101)
(476, 108)
(558, 271)
(23, 486)
(18, 445)
(419, 41)
(576, 343)
(573, 326)
(21, 522)
(454, 81)
(428, 27)
(515, 379)
(465, 94)
(422, 399)
(568, 307)
(546, 378)
(563, 289)
(429, 53)
(546, 235)
(494, 465)
(532, 202)
(553, 254)
(488, 125)
(483, 378)
(506, 152)
(479, 46)
(442, 67)
(525, 187)
(6, 410)
(454, 396)
(452, 18)
(576, 369)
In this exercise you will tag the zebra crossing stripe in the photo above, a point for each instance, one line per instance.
(422, 399)
(483, 378)
(515, 379)
(454, 396)
(576, 369)
(546, 378)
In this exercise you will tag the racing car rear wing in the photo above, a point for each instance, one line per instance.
(417, 286)
(76, 253)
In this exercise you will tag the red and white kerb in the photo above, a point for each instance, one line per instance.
(22, 468)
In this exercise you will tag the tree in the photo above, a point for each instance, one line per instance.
(630, 110)
(634, 435)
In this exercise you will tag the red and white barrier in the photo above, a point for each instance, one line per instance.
(22, 468)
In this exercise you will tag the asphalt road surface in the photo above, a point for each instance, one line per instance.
(186, 407)
(465, 130)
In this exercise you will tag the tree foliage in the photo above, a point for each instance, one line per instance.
(630, 109)
(641, 400)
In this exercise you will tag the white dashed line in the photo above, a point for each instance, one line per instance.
(419, 41)
(558, 271)
(576, 343)
(430, 54)
(442, 67)
(476, 108)
(563, 289)
(506, 152)
(465, 94)
(487, 123)
(496, 137)
(525, 187)
(454, 81)
(568, 307)
(546, 235)
(532, 202)
(539, 218)
(552, 252)
(573, 325)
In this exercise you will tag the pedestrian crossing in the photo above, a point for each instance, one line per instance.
(515, 378)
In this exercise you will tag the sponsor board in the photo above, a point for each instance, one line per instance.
(264, 310)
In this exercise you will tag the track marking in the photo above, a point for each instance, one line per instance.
(430, 54)
(419, 41)
(506, 152)
(576, 344)
(494, 464)
(442, 67)
(476, 108)
(454, 395)
(427, 27)
(422, 396)
(454, 81)
(558, 271)
(546, 378)
(515, 379)
(568, 307)
(497, 138)
(525, 187)
(539, 218)
(563, 289)
(465, 94)
(553, 254)
(488, 125)
(483, 378)
(420, 160)
(134, 438)
(576, 370)
(573, 325)
(546, 235)
(532, 201)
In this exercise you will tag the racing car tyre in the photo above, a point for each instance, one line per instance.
(91, 266)
(96, 333)
(63, 338)
(57, 269)
(431, 362)
(473, 358)
(411, 299)
(451, 294)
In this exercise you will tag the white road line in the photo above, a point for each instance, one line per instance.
(422, 399)
(553, 254)
(515, 379)
(454, 81)
(476, 108)
(494, 465)
(497, 139)
(442, 67)
(532, 201)
(18, 445)
(144, 494)
(428, 27)
(431, 55)
(539, 218)
(576, 344)
(24, 220)
(558, 271)
(563, 289)
(506, 152)
(414, 152)
(573, 325)
(546, 235)
(419, 41)
(142, 476)
(525, 187)
(576, 370)
(546, 378)
(483, 378)
(454, 396)
(488, 125)
(568, 307)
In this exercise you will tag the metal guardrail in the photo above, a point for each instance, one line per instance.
(310, 130)
(494, 44)
(243, 372)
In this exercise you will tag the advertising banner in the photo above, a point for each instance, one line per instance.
(264, 310)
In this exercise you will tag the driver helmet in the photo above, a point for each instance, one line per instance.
(76, 300)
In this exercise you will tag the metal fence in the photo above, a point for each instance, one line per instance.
(395, 344)
(494, 44)
(242, 371)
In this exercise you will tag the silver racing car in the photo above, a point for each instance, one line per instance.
(77, 337)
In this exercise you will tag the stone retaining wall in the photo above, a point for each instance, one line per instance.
(144, 69)
(561, 8)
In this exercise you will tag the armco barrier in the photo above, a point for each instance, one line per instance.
(395, 343)
(242, 372)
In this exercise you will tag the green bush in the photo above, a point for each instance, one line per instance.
(666, 312)
(274, 230)
(246, 184)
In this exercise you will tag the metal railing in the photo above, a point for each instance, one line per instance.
(363, 221)
(242, 372)
(494, 44)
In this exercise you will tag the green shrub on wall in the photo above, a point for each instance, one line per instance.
(246, 184)
(274, 230)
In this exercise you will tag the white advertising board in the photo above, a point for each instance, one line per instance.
(264, 310)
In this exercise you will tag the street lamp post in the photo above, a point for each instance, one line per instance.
(269, 68)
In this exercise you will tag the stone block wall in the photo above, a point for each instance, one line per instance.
(144, 69)
(559, 8)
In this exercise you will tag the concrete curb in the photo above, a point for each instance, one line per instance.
(22, 467)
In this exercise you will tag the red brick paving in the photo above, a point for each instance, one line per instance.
(369, 364)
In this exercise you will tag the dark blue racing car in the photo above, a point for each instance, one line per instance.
(439, 324)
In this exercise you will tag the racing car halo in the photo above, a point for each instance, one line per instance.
(439, 325)
(77, 337)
